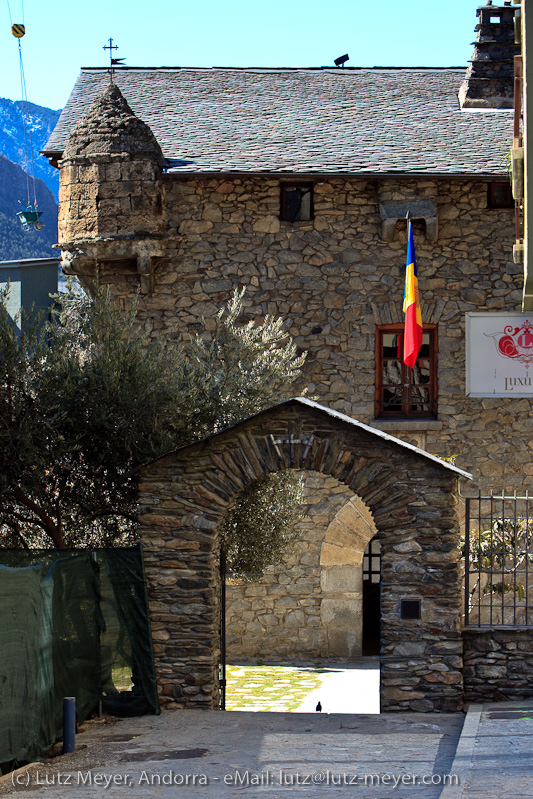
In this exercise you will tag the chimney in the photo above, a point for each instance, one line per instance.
(488, 81)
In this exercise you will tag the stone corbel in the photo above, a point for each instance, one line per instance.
(388, 229)
(67, 262)
(74, 261)
(146, 273)
(80, 257)
(419, 209)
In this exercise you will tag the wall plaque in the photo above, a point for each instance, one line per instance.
(499, 354)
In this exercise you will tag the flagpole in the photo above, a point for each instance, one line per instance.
(412, 339)
(408, 222)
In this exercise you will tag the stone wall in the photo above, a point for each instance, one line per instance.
(184, 497)
(312, 605)
(334, 278)
(498, 663)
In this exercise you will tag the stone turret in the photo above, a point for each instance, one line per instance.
(111, 191)
(489, 78)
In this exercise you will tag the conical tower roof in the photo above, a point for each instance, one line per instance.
(110, 127)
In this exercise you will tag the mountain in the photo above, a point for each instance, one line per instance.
(16, 185)
(15, 242)
(40, 122)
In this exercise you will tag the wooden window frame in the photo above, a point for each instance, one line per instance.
(379, 412)
(284, 187)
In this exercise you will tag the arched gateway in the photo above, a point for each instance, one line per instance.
(184, 496)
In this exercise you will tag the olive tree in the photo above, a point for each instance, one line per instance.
(86, 399)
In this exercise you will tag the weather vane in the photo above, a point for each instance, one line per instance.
(113, 61)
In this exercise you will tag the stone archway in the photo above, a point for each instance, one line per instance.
(411, 495)
(280, 617)
(342, 578)
(309, 607)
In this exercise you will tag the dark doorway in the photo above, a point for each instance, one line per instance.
(371, 597)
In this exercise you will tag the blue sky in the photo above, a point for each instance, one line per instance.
(64, 35)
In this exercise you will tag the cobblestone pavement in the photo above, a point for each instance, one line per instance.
(270, 687)
(339, 687)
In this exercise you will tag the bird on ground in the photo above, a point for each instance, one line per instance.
(319, 708)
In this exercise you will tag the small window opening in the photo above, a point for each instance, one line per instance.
(296, 203)
(500, 195)
(410, 609)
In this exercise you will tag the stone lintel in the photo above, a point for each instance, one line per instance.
(406, 424)
(488, 102)
(419, 209)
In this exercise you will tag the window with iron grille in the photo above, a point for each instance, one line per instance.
(372, 562)
(498, 553)
(402, 392)
(297, 203)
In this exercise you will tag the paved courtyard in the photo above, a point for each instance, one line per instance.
(214, 755)
(227, 755)
(298, 688)
(293, 750)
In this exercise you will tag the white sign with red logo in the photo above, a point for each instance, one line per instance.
(499, 354)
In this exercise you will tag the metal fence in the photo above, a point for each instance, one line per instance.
(498, 551)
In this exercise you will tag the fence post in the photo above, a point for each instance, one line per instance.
(222, 667)
(467, 560)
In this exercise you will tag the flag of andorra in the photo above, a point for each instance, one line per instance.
(412, 339)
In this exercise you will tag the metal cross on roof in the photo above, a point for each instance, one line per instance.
(113, 61)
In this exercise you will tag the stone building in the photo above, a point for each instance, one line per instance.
(295, 184)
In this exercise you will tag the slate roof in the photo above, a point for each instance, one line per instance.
(302, 403)
(112, 127)
(304, 121)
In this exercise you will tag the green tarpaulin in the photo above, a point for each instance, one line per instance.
(72, 623)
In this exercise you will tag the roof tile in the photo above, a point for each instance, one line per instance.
(304, 121)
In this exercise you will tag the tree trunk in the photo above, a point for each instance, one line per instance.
(50, 527)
